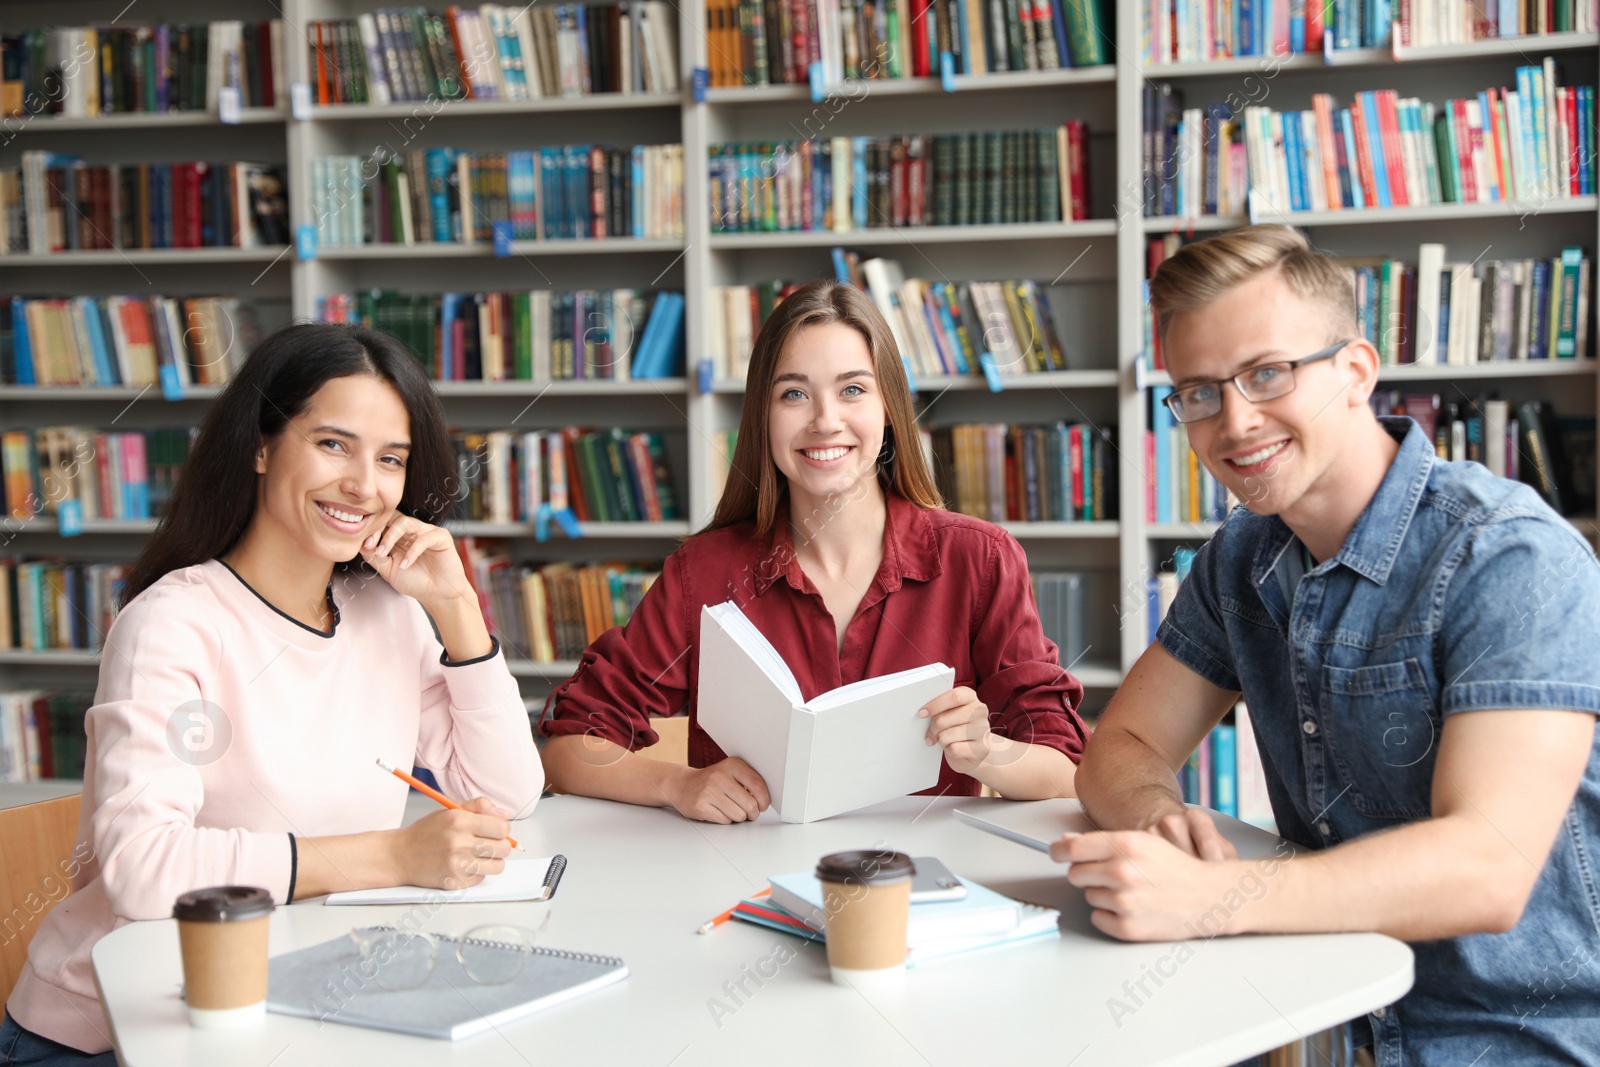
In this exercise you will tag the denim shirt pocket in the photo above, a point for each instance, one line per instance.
(1382, 732)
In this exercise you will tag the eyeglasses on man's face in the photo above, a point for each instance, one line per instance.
(1264, 381)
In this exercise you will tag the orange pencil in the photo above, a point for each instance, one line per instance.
(428, 791)
(711, 924)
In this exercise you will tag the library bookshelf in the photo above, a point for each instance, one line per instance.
(1095, 268)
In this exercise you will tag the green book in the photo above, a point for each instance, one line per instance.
(592, 465)
(522, 335)
(666, 496)
(1085, 31)
(1567, 317)
(619, 479)
(1048, 176)
(994, 175)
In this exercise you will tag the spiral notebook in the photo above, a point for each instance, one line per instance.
(328, 982)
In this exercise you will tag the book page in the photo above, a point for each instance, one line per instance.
(870, 748)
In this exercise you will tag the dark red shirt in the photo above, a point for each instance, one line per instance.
(951, 589)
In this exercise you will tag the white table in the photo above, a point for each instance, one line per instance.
(641, 881)
(17, 794)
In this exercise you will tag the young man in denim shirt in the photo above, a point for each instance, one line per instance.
(1416, 640)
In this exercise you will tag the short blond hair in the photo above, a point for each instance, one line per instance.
(1202, 272)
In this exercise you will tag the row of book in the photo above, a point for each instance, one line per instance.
(1465, 313)
(125, 340)
(78, 473)
(1060, 472)
(543, 335)
(610, 475)
(1002, 328)
(1437, 312)
(1195, 31)
(553, 611)
(1524, 441)
(494, 52)
(776, 42)
(53, 605)
(41, 733)
(1523, 145)
(1225, 773)
(55, 203)
(441, 195)
(88, 71)
(1177, 487)
(856, 183)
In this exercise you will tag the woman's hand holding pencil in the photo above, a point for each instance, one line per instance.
(454, 848)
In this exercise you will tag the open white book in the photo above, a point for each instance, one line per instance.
(856, 745)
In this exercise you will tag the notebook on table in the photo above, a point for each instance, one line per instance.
(327, 982)
(522, 879)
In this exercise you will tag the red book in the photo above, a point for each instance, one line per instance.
(639, 455)
(1075, 453)
(1469, 179)
(1149, 476)
(1369, 180)
(463, 57)
(322, 67)
(808, 160)
(177, 204)
(914, 181)
(198, 174)
(1393, 158)
(269, 91)
(921, 67)
(1078, 167)
(1569, 105)
(800, 31)
(1491, 143)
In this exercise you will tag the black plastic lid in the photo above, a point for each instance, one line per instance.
(866, 867)
(223, 904)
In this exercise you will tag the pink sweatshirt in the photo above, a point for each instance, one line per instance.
(171, 804)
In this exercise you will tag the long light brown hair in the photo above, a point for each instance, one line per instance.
(755, 485)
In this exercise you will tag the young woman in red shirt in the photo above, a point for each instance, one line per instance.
(832, 539)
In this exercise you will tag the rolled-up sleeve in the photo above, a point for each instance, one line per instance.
(1030, 696)
(631, 672)
(1192, 631)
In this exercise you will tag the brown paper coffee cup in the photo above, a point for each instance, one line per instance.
(222, 933)
(866, 897)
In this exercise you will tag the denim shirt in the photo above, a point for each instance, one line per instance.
(1455, 591)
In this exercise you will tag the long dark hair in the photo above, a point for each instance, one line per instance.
(755, 485)
(215, 497)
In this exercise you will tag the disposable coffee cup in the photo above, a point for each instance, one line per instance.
(866, 897)
(222, 933)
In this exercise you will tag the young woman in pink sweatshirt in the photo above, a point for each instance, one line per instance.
(275, 641)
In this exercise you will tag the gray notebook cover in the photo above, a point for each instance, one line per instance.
(328, 982)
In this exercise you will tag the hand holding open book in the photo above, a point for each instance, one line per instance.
(860, 744)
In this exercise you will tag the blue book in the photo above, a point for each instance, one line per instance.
(105, 370)
(1369, 115)
(552, 172)
(1161, 424)
(440, 163)
(636, 184)
(1294, 153)
(1383, 23)
(1189, 778)
(1152, 605)
(841, 266)
(1244, 30)
(644, 350)
(858, 179)
(1346, 31)
(1508, 19)
(1059, 24)
(964, 66)
(1443, 341)
(1540, 301)
(1225, 770)
(1297, 25)
(21, 346)
(578, 221)
(1183, 562)
(447, 345)
(671, 359)
(946, 325)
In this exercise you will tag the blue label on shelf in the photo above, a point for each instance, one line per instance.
(698, 83)
(991, 371)
(305, 242)
(703, 375)
(171, 384)
(69, 518)
(541, 522)
(947, 72)
(911, 379)
(818, 90)
(502, 238)
(568, 523)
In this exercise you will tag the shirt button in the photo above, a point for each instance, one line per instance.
(1309, 727)
(1379, 1013)
(1324, 828)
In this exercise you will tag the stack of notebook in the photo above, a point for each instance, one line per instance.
(982, 920)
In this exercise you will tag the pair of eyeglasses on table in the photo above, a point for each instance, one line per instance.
(492, 954)
(1262, 382)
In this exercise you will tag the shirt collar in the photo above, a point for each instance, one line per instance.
(1373, 544)
(910, 549)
